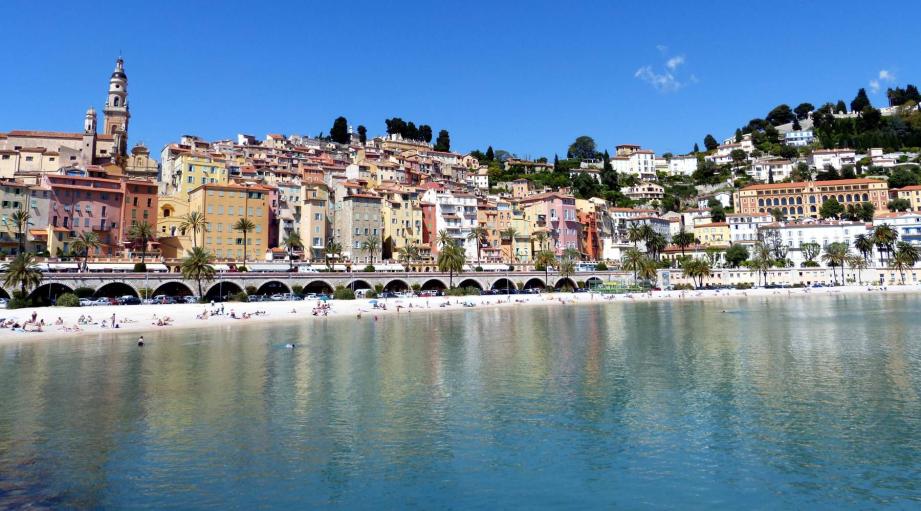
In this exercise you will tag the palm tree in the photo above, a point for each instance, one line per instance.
(22, 272)
(408, 254)
(632, 260)
(648, 270)
(541, 238)
(86, 241)
(370, 245)
(835, 255)
(244, 225)
(21, 220)
(906, 256)
(194, 221)
(444, 238)
(142, 233)
(697, 268)
(884, 237)
(857, 262)
(864, 245)
(479, 236)
(509, 234)
(543, 260)
(292, 242)
(198, 266)
(655, 243)
(683, 240)
(332, 247)
(451, 259)
(761, 260)
(635, 234)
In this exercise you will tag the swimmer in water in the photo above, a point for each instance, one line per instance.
(141, 340)
(290, 346)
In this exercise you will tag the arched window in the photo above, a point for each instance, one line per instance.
(812, 199)
(761, 202)
(783, 201)
(799, 200)
(812, 209)
(776, 201)
(115, 102)
(866, 197)
(799, 210)
(784, 210)
(848, 197)
(841, 198)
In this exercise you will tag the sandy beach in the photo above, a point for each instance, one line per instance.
(86, 321)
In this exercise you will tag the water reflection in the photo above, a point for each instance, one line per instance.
(798, 402)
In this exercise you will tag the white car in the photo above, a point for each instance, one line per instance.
(86, 302)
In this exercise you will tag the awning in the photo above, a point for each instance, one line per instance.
(389, 267)
(268, 267)
(62, 266)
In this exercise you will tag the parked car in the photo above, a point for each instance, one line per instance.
(104, 301)
(388, 294)
(190, 299)
(129, 300)
(86, 302)
(278, 297)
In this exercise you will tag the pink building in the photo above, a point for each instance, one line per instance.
(81, 203)
(554, 213)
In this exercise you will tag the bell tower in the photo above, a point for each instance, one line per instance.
(116, 109)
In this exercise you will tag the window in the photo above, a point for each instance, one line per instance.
(191, 179)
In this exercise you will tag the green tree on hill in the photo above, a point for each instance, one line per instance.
(339, 133)
(802, 110)
(583, 148)
(443, 142)
(710, 143)
(860, 101)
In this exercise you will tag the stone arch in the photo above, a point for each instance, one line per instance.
(318, 287)
(396, 285)
(565, 282)
(47, 293)
(534, 283)
(593, 282)
(271, 287)
(503, 284)
(434, 285)
(357, 284)
(173, 288)
(114, 290)
(470, 283)
(222, 290)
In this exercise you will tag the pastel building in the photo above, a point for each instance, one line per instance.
(555, 214)
(223, 206)
(81, 202)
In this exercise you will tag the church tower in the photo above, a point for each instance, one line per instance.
(88, 150)
(116, 110)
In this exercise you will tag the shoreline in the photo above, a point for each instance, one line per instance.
(144, 319)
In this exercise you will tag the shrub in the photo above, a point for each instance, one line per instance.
(251, 290)
(580, 283)
(682, 287)
(369, 268)
(343, 293)
(238, 297)
(478, 268)
(416, 287)
(140, 267)
(744, 285)
(601, 266)
(566, 289)
(144, 293)
(370, 294)
(810, 264)
(297, 289)
(456, 291)
(242, 268)
(378, 288)
(68, 300)
(84, 292)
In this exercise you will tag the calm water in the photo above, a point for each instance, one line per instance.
(804, 403)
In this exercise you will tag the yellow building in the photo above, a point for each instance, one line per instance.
(912, 194)
(402, 219)
(312, 212)
(521, 245)
(171, 211)
(224, 205)
(186, 171)
(715, 234)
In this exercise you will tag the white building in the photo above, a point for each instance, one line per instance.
(644, 191)
(456, 213)
(633, 160)
(794, 235)
(743, 228)
(724, 198)
(723, 153)
(683, 165)
(800, 138)
(478, 180)
(836, 158)
(765, 170)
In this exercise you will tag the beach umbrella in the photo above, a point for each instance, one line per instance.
(373, 302)
(324, 298)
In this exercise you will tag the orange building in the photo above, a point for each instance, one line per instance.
(804, 199)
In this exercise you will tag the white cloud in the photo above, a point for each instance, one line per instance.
(674, 62)
(667, 78)
(884, 76)
(665, 82)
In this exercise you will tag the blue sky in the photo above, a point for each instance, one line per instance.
(527, 77)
